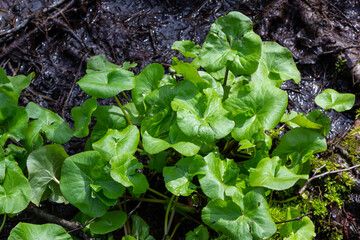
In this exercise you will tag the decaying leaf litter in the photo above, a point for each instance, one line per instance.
(55, 41)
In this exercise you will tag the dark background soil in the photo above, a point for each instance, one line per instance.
(56, 38)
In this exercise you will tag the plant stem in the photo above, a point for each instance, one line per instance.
(172, 213)
(286, 200)
(176, 227)
(167, 216)
(123, 110)
(56, 180)
(271, 196)
(3, 222)
(158, 193)
(125, 227)
(228, 146)
(147, 200)
(226, 77)
(127, 220)
(187, 59)
(127, 98)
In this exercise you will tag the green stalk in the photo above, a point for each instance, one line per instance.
(187, 59)
(176, 228)
(226, 77)
(287, 200)
(125, 96)
(147, 200)
(158, 193)
(125, 227)
(271, 196)
(172, 213)
(127, 223)
(3, 222)
(123, 110)
(167, 216)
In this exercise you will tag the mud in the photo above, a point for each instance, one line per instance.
(55, 39)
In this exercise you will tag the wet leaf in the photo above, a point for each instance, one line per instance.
(256, 106)
(140, 229)
(109, 222)
(203, 116)
(28, 231)
(187, 48)
(219, 174)
(86, 183)
(178, 178)
(340, 102)
(271, 174)
(99, 63)
(199, 233)
(276, 65)
(82, 117)
(44, 166)
(252, 222)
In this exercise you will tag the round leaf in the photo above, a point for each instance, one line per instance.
(187, 48)
(338, 101)
(44, 166)
(28, 231)
(107, 84)
(86, 183)
(109, 222)
(140, 229)
(301, 229)
(82, 117)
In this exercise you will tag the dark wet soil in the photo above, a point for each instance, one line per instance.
(55, 38)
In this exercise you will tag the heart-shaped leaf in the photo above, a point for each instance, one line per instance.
(252, 222)
(20, 82)
(187, 48)
(222, 49)
(15, 191)
(300, 142)
(82, 117)
(276, 65)
(270, 174)
(109, 222)
(44, 166)
(183, 144)
(123, 170)
(147, 81)
(53, 125)
(199, 233)
(86, 183)
(219, 174)
(300, 229)
(116, 142)
(105, 84)
(256, 106)
(203, 116)
(99, 63)
(178, 178)
(28, 231)
(340, 102)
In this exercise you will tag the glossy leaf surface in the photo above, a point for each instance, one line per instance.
(28, 231)
(340, 102)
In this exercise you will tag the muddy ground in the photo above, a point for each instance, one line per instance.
(55, 38)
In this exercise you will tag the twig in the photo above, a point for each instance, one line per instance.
(62, 222)
(18, 27)
(83, 226)
(295, 219)
(340, 49)
(324, 174)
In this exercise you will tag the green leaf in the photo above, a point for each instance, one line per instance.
(82, 117)
(13, 123)
(15, 192)
(20, 82)
(160, 123)
(318, 116)
(134, 114)
(295, 119)
(199, 233)
(299, 143)
(270, 174)
(107, 117)
(223, 49)
(189, 73)
(158, 161)
(79, 176)
(53, 125)
(123, 170)
(115, 142)
(2, 165)
(183, 144)
(219, 174)
(7, 98)
(28, 231)
(276, 65)
(147, 81)
(33, 138)
(187, 48)
(256, 106)
(178, 178)
(252, 222)
(44, 166)
(106, 84)
(108, 222)
(203, 116)
(340, 102)
(302, 229)
(99, 63)
(140, 229)
(3, 78)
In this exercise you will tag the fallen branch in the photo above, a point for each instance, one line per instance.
(324, 174)
(295, 219)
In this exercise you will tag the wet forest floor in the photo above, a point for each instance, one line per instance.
(55, 40)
